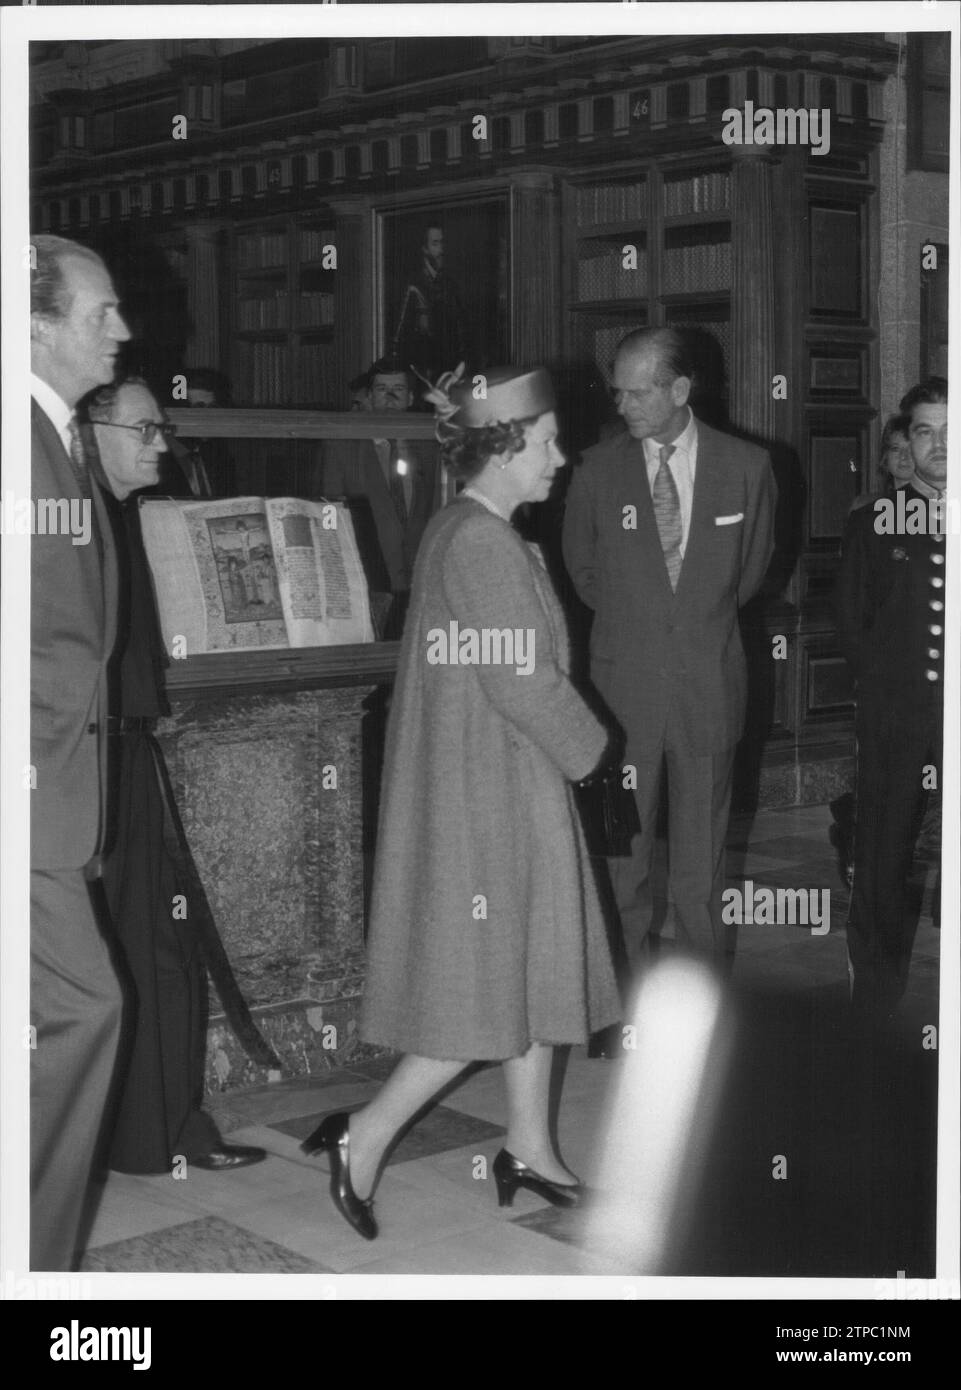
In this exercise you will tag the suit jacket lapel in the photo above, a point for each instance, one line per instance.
(95, 574)
(703, 510)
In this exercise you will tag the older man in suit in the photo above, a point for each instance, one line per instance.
(158, 1116)
(399, 479)
(668, 531)
(75, 333)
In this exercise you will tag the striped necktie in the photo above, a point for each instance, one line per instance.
(667, 514)
(78, 458)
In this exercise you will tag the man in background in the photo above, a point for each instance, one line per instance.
(76, 330)
(668, 531)
(207, 389)
(157, 1115)
(891, 615)
(400, 482)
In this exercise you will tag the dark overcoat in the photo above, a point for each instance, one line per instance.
(486, 933)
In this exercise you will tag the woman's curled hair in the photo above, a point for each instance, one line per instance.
(465, 452)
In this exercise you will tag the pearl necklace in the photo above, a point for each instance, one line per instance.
(484, 501)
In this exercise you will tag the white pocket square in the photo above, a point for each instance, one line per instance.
(728, 520)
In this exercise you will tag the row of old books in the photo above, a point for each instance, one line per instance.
(611, 202)
(315, 309)
(313, 241)
(269, 373)
(705, 267)
(264, 313)
(261, 250)
(605, 344)
(316, 386)
(605, 276)
(703, 193)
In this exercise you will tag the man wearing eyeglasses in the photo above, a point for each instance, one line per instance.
(76, 331)
(157, 1118)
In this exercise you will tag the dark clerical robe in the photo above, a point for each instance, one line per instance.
(160, 1086)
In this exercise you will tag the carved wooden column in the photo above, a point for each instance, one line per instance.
(353, 300)
(752, 293)
(535, 268)
(203, 294)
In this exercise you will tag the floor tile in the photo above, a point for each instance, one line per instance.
(501, 1250)
(208, 1245)
(233, 1110)
(408, 1214)
(439, 1129)
(122, 1211)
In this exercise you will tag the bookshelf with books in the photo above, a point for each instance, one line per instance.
(607, 278)
(646, 247)
(285, 310)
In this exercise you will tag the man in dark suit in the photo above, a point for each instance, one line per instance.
(400, 481)
(75, 333)
(157, 1115)
(668, 531)
(890, 604)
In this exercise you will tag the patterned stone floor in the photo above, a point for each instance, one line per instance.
(854, 1126)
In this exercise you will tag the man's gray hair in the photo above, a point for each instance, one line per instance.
(101, 406)
(673, 353)
(48, 289)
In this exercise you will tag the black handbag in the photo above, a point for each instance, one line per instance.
(608, 814)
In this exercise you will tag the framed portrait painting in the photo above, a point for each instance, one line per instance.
(443, 283)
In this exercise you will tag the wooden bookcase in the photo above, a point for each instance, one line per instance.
(284, 306)
(645, 247)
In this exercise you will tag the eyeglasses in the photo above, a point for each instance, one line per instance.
(148, 432)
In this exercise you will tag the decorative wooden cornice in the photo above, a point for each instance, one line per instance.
(660, 68)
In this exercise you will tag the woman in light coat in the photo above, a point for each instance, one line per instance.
(486, 936)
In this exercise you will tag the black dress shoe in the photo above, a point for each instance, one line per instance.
(332, 1137)
(608, 1042)
(510, 1174)
(229, 1156)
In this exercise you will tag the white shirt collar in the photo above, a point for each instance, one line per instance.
(53, 406)
(683, 442)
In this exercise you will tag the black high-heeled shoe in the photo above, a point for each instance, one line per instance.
(510, 1174)
(332, 1137)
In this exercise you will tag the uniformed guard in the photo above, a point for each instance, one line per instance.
(891, 622)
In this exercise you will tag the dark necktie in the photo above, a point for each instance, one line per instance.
(397, 482)
(78, 459)
(667, 514)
